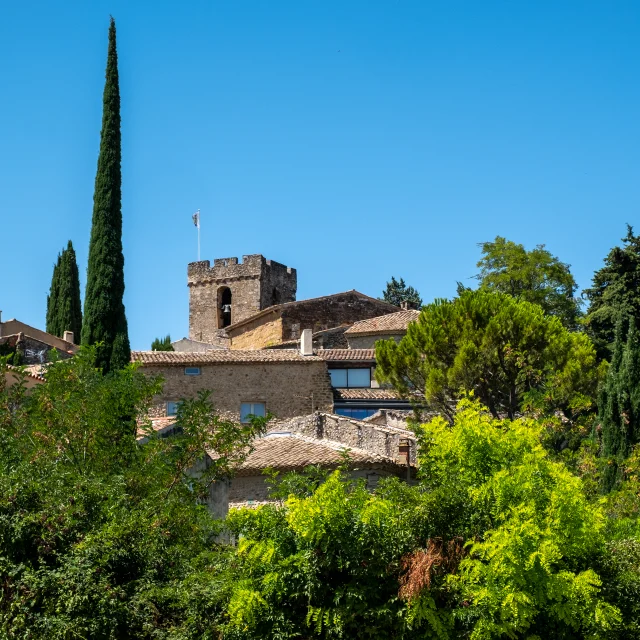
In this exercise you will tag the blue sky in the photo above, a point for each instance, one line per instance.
(350, 140)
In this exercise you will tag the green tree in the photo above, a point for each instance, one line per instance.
(105, 322)
(534, 276)
(162, 344)
(497, 541)
(397, 292)
(64, 309)
(620, 402)
(615, 290)
(504, 350)
(102, 536)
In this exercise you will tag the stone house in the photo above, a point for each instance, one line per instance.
(33, 345)
(15, 375)
(365, 333)
(284, 382)
(284, 322)
(251, 304)
(356, 393)
(374, 452)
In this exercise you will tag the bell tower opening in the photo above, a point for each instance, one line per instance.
(224, 307)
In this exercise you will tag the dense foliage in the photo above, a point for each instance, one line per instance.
(100, 536)
(162, 344)
(534, 276)
(64, 309)
(105, 322)
(615, 291)
(620, 401)
(496, 541)
(396, 292)
(507, 351)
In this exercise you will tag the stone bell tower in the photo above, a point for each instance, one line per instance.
(231, 291)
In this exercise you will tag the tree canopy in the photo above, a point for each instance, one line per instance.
(615, 290)
(502, 349)
(534, 276)
(64, 308)
(105, 322)
(397, 292)
(162, 344)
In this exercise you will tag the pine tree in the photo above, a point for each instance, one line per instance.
(397, 292)
(64, 310)
(162, 344)
(104, 314)
(620, 401)
(615, 290)
(52, 300)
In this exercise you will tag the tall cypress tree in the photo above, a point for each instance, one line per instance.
(64, 310)
(104, 315)
(620, 401)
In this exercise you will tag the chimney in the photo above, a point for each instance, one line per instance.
(306, 343)
(67, 336)
(404, 455)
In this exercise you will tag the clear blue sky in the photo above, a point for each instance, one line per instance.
(350, 140)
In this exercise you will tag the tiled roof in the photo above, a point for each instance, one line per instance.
(365, 394)
(157, 424)
(288, 305)
(293, 452)
(185, 358)
(347, 354)
(25, 371)
(384, 324)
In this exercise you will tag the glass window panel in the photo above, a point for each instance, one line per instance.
(338, 377)
(359, 377)
(251, 409)
(172, 408)
(192, 371)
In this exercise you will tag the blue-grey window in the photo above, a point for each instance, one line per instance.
(356, 414)
(252, 409)
(346, 378)
(192, 371)
(172, 408)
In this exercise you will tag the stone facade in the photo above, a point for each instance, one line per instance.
(232, 291)
(369, 342)
(286, 322)
(288, 388)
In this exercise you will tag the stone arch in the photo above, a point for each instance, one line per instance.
(224, 307)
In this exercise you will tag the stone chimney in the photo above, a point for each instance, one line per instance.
(67, 336)
(405, 305)
(306, 343)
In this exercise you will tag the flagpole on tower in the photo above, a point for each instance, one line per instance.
(196, 221)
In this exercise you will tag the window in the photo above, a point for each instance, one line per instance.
(345, 378)
(251, 409)
(356, 414)
(172, 408)
(192, 371)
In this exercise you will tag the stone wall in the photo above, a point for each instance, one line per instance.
(369, 342)
(254, 284)
(317, 314)
(288, 389)
(383, 440)
(246, 490)
(263, 334)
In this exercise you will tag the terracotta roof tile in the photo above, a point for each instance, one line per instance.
(384, 324)
(293, 452)
(25, 371)
(182, 358)
(347, 354)
(365, 394)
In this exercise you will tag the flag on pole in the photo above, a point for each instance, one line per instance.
(196, 218)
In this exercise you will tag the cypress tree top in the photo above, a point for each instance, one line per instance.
(64, 310)
(104, 314)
